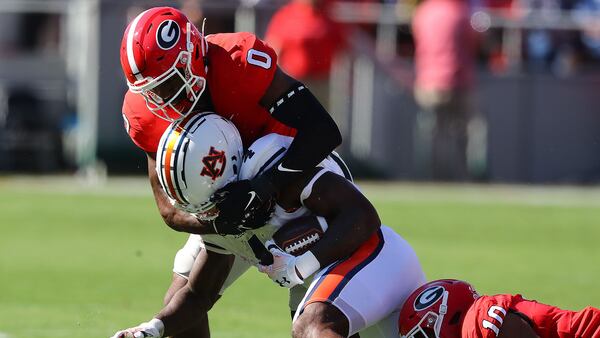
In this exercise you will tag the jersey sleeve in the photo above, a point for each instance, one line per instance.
(259, 62)
(144, 128)
(485, 317)
(584, 323)
(246, 68)
(551, 321)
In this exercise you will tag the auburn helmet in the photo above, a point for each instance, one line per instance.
(196, 156)
(436, 309)
(163, 56)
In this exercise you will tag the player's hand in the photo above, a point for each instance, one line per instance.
(283, 270)
(243, 205)
(151, 329)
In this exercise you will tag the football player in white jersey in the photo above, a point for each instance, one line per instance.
(347, 283)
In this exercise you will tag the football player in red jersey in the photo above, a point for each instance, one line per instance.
(172, 69)
(450, 308)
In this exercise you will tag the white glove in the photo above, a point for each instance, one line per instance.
(152, 329)
(288, 270)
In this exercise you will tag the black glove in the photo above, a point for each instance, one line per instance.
(244, 205)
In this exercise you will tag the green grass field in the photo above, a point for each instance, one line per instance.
(79, 261)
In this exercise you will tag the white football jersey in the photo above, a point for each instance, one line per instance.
(262, 155)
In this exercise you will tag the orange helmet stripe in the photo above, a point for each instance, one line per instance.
(173, 140)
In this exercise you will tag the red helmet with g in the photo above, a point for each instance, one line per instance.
(436, 309)
(163, 59)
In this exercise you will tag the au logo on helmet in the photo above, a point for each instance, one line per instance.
(428, 297)
(167, 34)
(214, 163)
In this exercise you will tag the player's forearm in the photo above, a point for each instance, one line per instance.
(345, 234)
(317, 136)
(317, 133)
(176, 219)
(312, 144)
(184, 222)
(352, 218)
(310, 147)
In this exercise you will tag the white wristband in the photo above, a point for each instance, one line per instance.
(158, 325)
(307, 264)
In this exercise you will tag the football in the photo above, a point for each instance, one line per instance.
(300, 234)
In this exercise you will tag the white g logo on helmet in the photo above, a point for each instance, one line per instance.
(428, 297)
(167, 34)
(196, 156)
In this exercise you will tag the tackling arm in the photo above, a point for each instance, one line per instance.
(317, 134)
(176, 219)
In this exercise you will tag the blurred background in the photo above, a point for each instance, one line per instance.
(444, 90)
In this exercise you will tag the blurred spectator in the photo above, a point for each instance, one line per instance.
(306, 41)
(28, 32)
(540, 44)
(540, 47)
(29, 136)
(586, 12)
(9, 33)
(40, 32)
(444, 61)
(217, 21)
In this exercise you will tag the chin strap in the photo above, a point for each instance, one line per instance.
(442, 312)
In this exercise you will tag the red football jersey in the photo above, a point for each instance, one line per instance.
(240, 69)
(485, 317)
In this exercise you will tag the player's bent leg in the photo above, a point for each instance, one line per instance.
(200, 329)
(177, 283)
(320, 320)
(184, 261)
(296, 295)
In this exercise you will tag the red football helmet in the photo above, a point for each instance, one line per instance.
(163, 58)
(436, 309)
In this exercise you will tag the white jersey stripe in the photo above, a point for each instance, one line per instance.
(130, 57)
